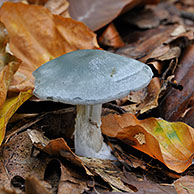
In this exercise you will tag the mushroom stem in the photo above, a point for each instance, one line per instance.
(88, 137)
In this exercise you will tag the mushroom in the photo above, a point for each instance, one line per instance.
(89, 78)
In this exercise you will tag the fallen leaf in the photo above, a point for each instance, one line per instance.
(185, 185)
(171, 143)
(9, 108)
(18, 159)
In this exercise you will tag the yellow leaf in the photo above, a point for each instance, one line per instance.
(170, 142)
(9, 108)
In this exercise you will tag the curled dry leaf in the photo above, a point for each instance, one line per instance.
(171, 143)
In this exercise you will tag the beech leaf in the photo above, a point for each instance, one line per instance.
(170, 142)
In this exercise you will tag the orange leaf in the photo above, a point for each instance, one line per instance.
(170, 142)
(37, 36)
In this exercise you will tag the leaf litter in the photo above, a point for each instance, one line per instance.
(30, 160)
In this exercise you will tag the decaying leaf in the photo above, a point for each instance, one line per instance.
(171, 143)
(18, 159)
(185, 185)
(37, 36)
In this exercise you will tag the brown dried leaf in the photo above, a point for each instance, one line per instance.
(18, 160)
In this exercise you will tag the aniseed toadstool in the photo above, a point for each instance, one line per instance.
(88, 78)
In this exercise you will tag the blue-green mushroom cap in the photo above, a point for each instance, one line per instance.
(90, 77)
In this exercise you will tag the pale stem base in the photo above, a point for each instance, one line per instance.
(88, 137)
